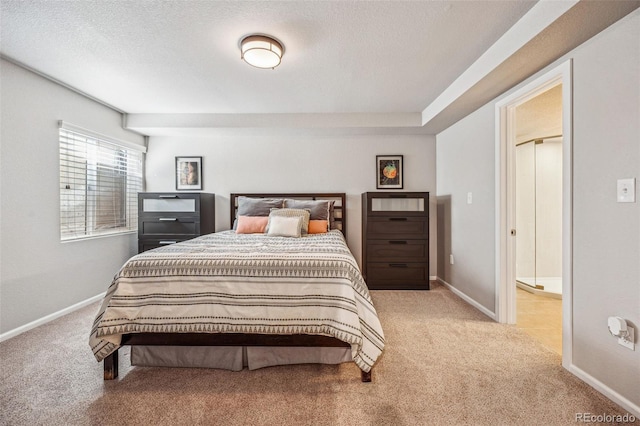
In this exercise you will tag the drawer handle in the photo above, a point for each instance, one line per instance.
(167, 196)
(398, 265)
(398, 219)
(168, 219)
(167, 242)
(397, 242)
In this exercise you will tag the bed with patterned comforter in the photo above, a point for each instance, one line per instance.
(243, 283)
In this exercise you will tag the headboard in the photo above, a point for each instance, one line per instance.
(339, 208)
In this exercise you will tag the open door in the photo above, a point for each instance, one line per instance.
(506, 229)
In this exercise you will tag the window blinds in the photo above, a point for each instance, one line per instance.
(99, 185)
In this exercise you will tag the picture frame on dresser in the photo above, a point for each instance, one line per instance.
(189, 173)
(389, 171)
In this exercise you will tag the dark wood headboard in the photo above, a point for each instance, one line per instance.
(339, 208)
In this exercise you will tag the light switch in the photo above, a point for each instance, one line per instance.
(469, 198)
(627, 190)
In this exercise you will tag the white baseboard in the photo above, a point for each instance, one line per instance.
(33, 324)
(469, 300)
(433, 278)
(606, 391)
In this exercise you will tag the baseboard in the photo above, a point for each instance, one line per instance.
(605, 390)
(433, 278)
(12, 333)
(585, 377)
(467, 299)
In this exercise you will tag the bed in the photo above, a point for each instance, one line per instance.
(236, 290)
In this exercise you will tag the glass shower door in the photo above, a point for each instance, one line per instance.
(539, 214)
(526, 214)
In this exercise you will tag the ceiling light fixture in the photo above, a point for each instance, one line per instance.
(261, 51)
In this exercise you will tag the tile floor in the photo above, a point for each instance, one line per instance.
(541, 318)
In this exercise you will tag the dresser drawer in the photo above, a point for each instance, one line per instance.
(397, 250)
(398, 275)
(168, 225)
(159, 203)
(397, 227)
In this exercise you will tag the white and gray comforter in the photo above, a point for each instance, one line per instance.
(251, 283)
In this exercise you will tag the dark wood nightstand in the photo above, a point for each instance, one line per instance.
(170, 217)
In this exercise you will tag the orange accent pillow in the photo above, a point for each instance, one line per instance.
(318, 226)
(252, 224)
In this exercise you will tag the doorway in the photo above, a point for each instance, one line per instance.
(506, 226)
(538, 217)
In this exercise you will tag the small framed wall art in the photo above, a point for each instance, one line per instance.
(188, 173)
(389, 169)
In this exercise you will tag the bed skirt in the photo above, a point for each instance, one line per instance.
(235, 358)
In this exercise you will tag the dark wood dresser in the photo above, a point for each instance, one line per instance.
(170, 217)
(395, 240)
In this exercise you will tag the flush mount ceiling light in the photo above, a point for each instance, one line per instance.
(261, 51)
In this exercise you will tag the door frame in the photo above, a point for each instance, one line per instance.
(505, 198)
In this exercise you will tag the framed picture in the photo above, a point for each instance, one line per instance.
(188, 173)
(389, 170)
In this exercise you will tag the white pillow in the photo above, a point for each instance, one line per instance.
(285, 226)
(304, 214)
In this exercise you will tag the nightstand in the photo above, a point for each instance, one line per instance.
(170, 217)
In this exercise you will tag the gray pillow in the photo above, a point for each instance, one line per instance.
(257, 206)
(318, 209)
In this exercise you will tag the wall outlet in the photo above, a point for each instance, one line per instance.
(451, 259)
(629, 339)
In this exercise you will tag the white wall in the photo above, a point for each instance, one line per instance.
(38, 274)
(465, 163)
(606, 234)
(295, 164)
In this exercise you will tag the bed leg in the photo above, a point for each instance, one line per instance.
(111, 366)
(365, 376)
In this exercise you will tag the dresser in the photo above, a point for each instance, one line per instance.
(170, 217)
(395, 240)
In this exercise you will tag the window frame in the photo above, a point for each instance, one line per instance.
(97, 171)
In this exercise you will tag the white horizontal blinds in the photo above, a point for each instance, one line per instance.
(99, 183)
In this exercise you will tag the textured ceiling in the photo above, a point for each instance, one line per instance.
(182, 57)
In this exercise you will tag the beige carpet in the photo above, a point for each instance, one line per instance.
(444, 363)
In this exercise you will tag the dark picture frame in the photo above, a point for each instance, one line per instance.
(188, 173)
(389, 171)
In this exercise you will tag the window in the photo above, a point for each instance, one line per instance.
(99, 184)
